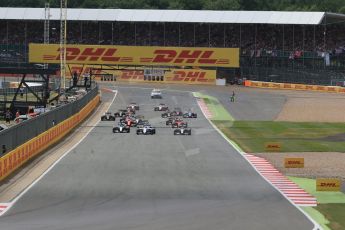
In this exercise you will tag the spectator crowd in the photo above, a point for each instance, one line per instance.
(253, 39)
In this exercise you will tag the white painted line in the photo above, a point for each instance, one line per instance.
(54, 164)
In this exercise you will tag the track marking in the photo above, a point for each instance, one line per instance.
(4, 207)
(204, 108)
(291, 190)
(240, 151)
(8, 206)
(192, 152)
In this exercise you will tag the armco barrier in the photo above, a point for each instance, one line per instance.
(290, 86)
(21, 154)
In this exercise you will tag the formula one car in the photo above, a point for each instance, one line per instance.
(133, 106)
(108, 117)
(130, 110)
(167, 114)
(146, 130)
(179, 124)
(121, 128)
(171, 120)
(142, 123)
(182, 131)
(156, 93)
(177, 112)
(121, 113)
(130, 121)
(161, 107)
(189, 115)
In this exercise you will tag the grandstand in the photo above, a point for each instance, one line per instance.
(302, 47)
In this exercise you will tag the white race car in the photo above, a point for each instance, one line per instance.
(156, 93)
(146, 130)
(182, 131)
(161, 107)
(133, 106)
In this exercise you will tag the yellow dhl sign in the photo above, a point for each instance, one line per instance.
(207, 77)
(135, 55)
(182, 76)
(328, 184)
(272, 146)
(291, 86)
(294, 162)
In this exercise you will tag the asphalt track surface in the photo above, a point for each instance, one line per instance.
(124, 181)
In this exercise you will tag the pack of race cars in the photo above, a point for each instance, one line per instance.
(128, 119)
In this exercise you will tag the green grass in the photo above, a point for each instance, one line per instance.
(251, 136)
(322, 197)
(215, 107)
(318, 217)
(335, 214)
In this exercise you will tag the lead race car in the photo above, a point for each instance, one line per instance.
(146, 130)
(107, 117)
(121, 128)
(156, 93)
(161, 107)
(182, 131)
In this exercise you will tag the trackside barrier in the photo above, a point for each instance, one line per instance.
(290, 86)
(18, 156)
(25, 131)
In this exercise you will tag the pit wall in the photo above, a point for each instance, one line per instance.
(23, 153)
(290, 86)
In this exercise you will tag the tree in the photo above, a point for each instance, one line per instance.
(280, 5)
(192, 4)
(248, 4)
(342, 10)
(222, 5)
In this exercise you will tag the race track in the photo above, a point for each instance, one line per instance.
(160, 182)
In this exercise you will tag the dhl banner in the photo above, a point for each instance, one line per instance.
(135, 75)
(182, 76)
(135, 55)
(17, 157)
(294, 162)
(328, 184)
(191, 76)
(272, 146)
(290, 86)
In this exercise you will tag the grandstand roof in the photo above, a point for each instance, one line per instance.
(195, 16)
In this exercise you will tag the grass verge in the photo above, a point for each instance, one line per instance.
(309, 185)
(293, 136)
(334, 213)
